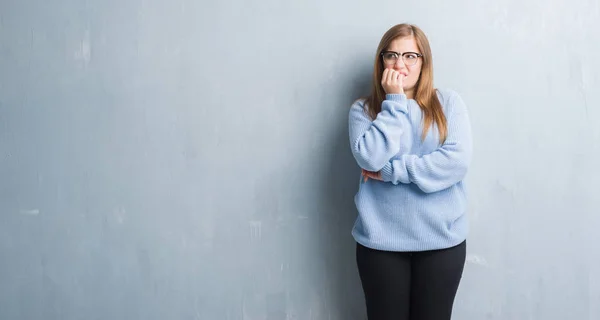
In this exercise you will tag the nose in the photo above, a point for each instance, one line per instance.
(399, 65)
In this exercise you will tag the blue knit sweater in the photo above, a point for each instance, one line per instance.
(421, 203)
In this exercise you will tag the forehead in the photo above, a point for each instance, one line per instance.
(405, 44)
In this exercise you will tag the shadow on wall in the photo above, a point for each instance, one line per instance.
(338, 184)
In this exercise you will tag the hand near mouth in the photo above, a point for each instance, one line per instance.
(392, 81)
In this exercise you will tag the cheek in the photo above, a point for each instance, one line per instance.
(412, 79)
(414, 76)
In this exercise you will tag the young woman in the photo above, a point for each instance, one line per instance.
(414, 145)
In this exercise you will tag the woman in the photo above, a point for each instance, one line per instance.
(414, 146)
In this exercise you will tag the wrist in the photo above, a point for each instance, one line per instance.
(399, 97)
(386, 172)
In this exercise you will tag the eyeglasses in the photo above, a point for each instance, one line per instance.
(409, 58)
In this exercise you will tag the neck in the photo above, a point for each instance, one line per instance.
(409, 94)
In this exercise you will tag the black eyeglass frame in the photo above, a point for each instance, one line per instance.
(399, 54)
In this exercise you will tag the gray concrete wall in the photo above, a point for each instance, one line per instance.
(189, 159)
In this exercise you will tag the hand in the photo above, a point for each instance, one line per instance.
(372, 175)
(392, 81)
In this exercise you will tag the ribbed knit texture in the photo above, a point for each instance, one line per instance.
(422, 202)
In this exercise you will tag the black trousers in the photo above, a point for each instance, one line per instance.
(410, 285)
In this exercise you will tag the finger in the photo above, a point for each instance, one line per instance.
(386, 77)
(391, 77)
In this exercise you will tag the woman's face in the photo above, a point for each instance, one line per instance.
(410, 65)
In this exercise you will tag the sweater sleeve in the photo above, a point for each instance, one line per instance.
(443, 167)
(374, 143)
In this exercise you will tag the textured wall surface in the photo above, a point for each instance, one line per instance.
(189, 159)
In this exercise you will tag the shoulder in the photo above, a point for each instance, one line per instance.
(359, 104)
(447, 96)
(451, 100)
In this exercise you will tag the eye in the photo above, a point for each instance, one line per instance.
(390, 55)
(410, 56)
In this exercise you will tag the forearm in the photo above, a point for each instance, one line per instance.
(431, 173)
(441, 168)
(374, 143)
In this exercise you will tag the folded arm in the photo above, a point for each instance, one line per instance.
(375, 142)
(443, 167)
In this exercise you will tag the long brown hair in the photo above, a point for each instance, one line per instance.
(425, 93)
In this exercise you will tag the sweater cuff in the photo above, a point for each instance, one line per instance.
(398, 97)
(396, 171)
(387, 172)
(398, 101)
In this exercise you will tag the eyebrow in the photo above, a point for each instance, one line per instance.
(401, 53)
